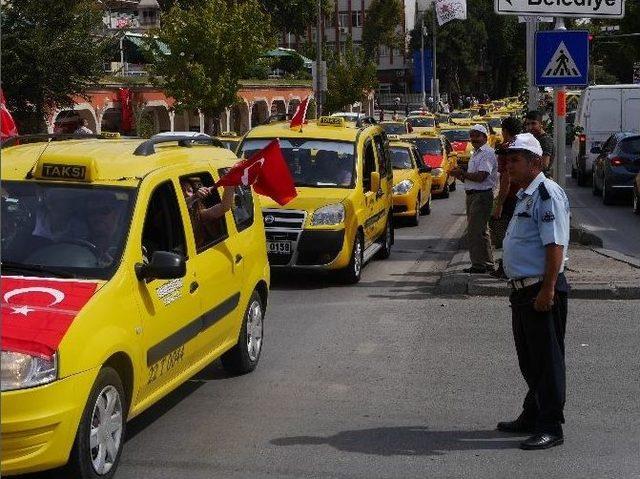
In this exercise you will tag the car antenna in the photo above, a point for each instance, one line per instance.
(30, 172)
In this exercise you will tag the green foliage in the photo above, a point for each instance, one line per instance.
(349, 77)
(213, 44)
(380, 27)
(49, 55)
(259, 69)
(145, 128)
(294, 16)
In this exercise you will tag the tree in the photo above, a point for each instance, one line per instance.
(50, 53)
(294, 16)
(381, 22)
(349, 77)
(212, 43)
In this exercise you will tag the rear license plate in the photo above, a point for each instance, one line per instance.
(279, 247)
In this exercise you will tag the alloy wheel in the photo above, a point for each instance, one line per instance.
(107, 425)
(254, 330)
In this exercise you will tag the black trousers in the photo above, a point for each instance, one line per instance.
(539, 339)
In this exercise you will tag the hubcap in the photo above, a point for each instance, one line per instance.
(254, 330)
(105, 436)
(357, 259)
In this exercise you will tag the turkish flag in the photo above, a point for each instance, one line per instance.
(126, 109)
(37, 312)
(300, 116)
(267, 171)
(8, 126)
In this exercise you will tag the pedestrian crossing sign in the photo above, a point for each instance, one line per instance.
(562, 58)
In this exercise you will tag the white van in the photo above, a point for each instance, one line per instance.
(602, 110)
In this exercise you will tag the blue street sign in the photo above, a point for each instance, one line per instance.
(562, 58)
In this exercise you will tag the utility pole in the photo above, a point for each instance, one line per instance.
(422, 68)
(436, 87)
(532, 26)
(319, 61)
(559, 124)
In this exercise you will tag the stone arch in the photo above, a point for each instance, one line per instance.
(260, 112)
(293, 105)
(239, 118)
(158, 110)
(68, 120)
(278, 106)
(111, 117)
(186, 120)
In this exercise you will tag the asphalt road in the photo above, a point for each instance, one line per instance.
(385, 380)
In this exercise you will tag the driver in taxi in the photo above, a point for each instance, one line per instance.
(103, 219)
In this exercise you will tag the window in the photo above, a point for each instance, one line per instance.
(369, 165)
(384, 158)
(343, 19)
(163, 229)
(242, 208)
(209, 227)
(356, 18)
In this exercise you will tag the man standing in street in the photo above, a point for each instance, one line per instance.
(479, 181)
(533, 124)
(535, 248)
(83, 128)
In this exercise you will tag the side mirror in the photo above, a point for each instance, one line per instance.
(375, 181)
(163, 265)
(425, 169)
(596, 150)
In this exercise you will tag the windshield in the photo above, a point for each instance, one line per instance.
(630, 145)
(401, 159)
(428, 146)
(394, 128)
(457, 135)
(68, 231)
(422, 122)
(460, 114)
(314, 163)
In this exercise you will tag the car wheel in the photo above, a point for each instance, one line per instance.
(352, 273)
(607, 194)
(244, 356)
(636, 201)
(100, 436)
(426, 209)
(387, 239)
(415, 219)
(594, 188)
(581, 176)
(445, 189)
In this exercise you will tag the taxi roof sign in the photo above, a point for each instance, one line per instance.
(332, 121)
(64, 168)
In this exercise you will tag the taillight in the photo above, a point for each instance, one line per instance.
(582, 138)
(617, 161)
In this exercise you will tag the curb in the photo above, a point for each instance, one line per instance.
(578, 234)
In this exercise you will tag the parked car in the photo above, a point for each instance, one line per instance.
(616, 166)
(636, 195)
(602, 111)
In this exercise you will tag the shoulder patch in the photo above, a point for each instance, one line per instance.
(544, 193)
(548, 217)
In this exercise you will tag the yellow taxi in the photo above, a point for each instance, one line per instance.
(458, 137)
(411, 182)
(230, 140)
(396, 127)
(423, 124)
(342, 216)
(437, 154)
(123, 275)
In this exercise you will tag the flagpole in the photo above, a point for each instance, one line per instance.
(422, 67)
(436, 89)
(319, 61)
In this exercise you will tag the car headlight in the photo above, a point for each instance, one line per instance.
(328, 215)
(19, 371)
(402, 187)
(436, 172)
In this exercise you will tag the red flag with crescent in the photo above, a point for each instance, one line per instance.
(8, 126)
(267, 171)
(37, 312)
(300, 116)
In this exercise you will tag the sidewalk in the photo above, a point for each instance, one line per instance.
(593, 273)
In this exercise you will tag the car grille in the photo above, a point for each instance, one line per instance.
(283, 219)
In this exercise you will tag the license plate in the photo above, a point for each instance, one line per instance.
(279, 247)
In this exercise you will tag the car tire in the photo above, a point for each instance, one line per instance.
(594, 188)
(387, 239)
(581, 176)
(453, 186)
(607, 195)
(100, 461)
(445, 189)
(426, 208)
(353, 272)
(244, 356)
(636, 201)
(415, 219)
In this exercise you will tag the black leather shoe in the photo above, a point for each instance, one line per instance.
(474, 270)
(518, 426)
(543, 440)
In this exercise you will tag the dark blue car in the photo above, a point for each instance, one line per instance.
(616, 167)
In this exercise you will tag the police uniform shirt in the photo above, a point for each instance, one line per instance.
(483, 159)
(541, 218)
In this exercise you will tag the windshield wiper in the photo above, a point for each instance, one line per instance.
(36, 268)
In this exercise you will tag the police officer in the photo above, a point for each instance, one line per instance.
(534, 252)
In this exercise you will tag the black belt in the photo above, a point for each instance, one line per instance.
(473, 192)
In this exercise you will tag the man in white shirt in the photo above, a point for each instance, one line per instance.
(83, 129)
(479, 181)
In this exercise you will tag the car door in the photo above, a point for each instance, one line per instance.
(218, 263)
(425, 176)
(169, 307)
(601, 159)
(371, 198)
(383, 159)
